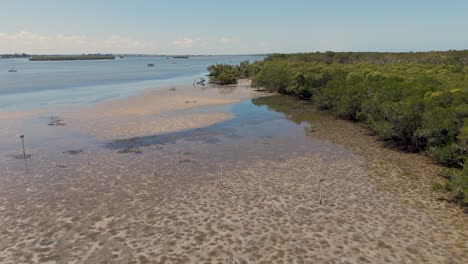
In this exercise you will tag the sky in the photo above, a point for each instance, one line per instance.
(230, 27)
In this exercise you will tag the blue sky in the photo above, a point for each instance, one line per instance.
(231, 27)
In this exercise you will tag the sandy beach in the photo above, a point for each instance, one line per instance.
(237, 199)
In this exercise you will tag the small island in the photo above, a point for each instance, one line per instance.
(71, 57)
(14, 56)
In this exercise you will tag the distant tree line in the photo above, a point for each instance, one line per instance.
(71, 57)
(417, 102)
(16, 55)
(451, 57)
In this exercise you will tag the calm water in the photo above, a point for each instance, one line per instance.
(60, 84)
(262, 128)
(252, 120)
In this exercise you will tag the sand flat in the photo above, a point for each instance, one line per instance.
(157, 111)
(14, 115)
(169, 204)
(266, 212)
(10, 123)
(112, 128)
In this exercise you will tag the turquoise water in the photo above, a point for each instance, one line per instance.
(63, 84)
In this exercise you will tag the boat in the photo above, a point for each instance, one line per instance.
(150, 65)
(180, 57)
(187, 64)
(12, 69)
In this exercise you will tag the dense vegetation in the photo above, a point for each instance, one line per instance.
(452, 57)
(228, 74)
(70, 57)
(414, 101)
(15, 55)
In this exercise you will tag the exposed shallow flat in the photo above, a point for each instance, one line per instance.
(157, 111)
(10, 122)
(14, 115)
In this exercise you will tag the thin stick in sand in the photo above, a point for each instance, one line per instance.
(320, 187)
(24, 151)
(222, 181)
(154, 162)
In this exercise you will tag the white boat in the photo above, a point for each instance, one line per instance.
(12, 70)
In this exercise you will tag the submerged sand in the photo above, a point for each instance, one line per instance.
(171, 205)
(10, 122)
(157, 111)
(14, 115)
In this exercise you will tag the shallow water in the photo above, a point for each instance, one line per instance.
(256, 131)
(62, 84)
(250, 122)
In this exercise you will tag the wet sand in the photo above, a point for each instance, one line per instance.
(157, 111)
(9, 116)
(9, 120)
(170, 204)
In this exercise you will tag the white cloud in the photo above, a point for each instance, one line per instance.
(226, 40)
(184, 42)
(21, 36)
(25, 41)
(82, 39)
(188, 42)
(122, 42)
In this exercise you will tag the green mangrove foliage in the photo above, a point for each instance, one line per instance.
(452, 57)
(414, 101)
(456, 184)
(229, 74)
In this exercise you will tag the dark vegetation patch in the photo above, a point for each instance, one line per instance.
(130, 150)
(73, 151)
(21, 156)
(56, 121)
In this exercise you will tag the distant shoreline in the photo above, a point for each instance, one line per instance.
(70, 57)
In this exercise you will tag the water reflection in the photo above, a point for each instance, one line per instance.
(253, 119)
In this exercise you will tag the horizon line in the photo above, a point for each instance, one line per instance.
(232, 54)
